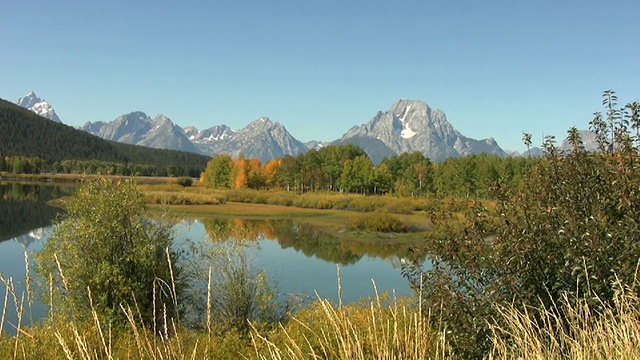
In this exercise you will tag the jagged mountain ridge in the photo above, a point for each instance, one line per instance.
(24, 133)
(411, 125)
(165, 134)
(39, 106)
(408, 126)
(262, 138)
(137, 128)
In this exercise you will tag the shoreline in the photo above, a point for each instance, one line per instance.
(56, 177)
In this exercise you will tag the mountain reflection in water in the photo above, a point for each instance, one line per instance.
(23, 207)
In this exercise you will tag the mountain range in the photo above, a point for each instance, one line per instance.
(26, 134)
(408, 126)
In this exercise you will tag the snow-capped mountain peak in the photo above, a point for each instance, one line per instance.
(411, 125)
(39, 106)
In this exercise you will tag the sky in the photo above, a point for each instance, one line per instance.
(496, 68)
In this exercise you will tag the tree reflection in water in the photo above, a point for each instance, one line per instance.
(305, 238)
(23, 207)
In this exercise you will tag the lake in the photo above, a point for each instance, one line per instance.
(295, 256)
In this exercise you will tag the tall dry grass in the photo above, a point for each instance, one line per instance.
(376, 331)
(573, 329)
(380, 328)
(11, 297)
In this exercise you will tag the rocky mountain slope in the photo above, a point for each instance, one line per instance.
(262, 138)
(138, 128)
(412, 125)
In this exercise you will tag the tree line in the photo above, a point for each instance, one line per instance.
(347, 168)
(37, 165)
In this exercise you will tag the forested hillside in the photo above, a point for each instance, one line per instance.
(27, 135)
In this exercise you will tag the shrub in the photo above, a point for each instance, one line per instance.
(400, 206)
(237, 292)
(280, 199)
(105, 245)
(571, 228)
(184, 181)
(378, 221)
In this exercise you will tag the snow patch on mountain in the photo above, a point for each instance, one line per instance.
(39, 106)
(407, 133)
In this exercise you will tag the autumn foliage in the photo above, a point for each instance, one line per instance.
(348, 169)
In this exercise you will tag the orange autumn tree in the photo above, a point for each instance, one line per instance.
(248, 173)
(239, 173)
(272, 173)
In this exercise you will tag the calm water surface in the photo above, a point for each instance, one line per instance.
(297, 269)
(295, 256)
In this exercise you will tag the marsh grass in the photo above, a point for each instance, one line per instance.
(382, 327)
(173, 194)
(379, 222)
(376, 328)
(572, 329)
(328, 201)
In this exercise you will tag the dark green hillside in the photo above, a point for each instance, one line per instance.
(23, 133)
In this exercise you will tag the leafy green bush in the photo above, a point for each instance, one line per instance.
(571, 228)
(107, 246)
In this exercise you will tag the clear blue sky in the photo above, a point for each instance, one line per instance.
(496, 68)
